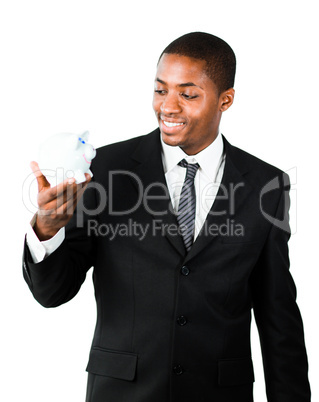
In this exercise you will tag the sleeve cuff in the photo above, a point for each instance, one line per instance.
(39, 250)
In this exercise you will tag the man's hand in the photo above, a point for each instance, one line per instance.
(56, 204)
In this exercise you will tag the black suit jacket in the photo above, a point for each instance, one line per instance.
(173, 326)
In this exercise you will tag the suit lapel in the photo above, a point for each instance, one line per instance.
(230, 198)
(150, 171)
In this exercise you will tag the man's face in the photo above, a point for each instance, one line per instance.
(186, 103)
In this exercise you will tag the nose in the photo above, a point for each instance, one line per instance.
(170, 104)
(90, 153)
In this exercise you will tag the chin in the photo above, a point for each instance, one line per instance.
(171, 140)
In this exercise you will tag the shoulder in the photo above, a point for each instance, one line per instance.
(121, 147)
(119, 154)
(255, 169)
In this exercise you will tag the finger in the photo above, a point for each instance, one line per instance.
(41, 179)
(88, 177)
(55, 192)
(66, 191)
(71, 195)
(87, 180)
(67, 185)
(76, 190)
(71, 198)
(66, 209)
(61, 209)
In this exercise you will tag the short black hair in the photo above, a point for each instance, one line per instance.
(219, 56)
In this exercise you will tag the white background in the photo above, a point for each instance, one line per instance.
(77, 65)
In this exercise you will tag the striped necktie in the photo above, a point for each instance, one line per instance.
(187, 204)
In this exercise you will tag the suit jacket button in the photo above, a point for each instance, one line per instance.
(185, 270)
(178, 370)
(182, 320)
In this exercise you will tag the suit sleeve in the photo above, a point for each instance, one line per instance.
(58, 278)
(278, 318)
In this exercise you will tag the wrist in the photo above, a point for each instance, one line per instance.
(43, 233)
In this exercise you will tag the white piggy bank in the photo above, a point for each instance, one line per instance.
(66, 155)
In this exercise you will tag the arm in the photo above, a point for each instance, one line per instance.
(278, 319)
(57, 278)
(41, 249)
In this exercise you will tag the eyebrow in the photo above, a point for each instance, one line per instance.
(183, 85)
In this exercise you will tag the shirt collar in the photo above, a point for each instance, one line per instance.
(209, 158)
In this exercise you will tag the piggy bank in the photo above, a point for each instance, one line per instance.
(64, 156)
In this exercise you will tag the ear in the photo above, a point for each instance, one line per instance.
(226, 99)
(85, 136)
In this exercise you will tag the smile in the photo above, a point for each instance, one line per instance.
(169, 124)
(86, 159)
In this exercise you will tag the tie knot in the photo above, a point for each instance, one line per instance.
(191, 168)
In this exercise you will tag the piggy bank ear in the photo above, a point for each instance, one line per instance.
(85, 136)
(73, 141)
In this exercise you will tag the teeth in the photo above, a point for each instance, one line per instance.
(169, 124)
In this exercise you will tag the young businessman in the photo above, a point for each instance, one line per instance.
(186, 234)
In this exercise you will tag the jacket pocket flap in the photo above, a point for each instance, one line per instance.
(235, 372)
(111, 363)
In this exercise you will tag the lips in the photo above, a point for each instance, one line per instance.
(171, 125)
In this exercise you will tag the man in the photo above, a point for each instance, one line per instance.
(186, 235)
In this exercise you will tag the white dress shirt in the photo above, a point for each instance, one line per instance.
(207, 181)
(41, 249)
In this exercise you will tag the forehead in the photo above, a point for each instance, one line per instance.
(176, 69)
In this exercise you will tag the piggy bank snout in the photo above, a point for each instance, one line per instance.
(90, 153)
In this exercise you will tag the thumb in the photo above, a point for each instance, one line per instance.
(41, 179)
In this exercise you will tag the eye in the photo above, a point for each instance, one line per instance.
(160, 91)
(188, 97)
